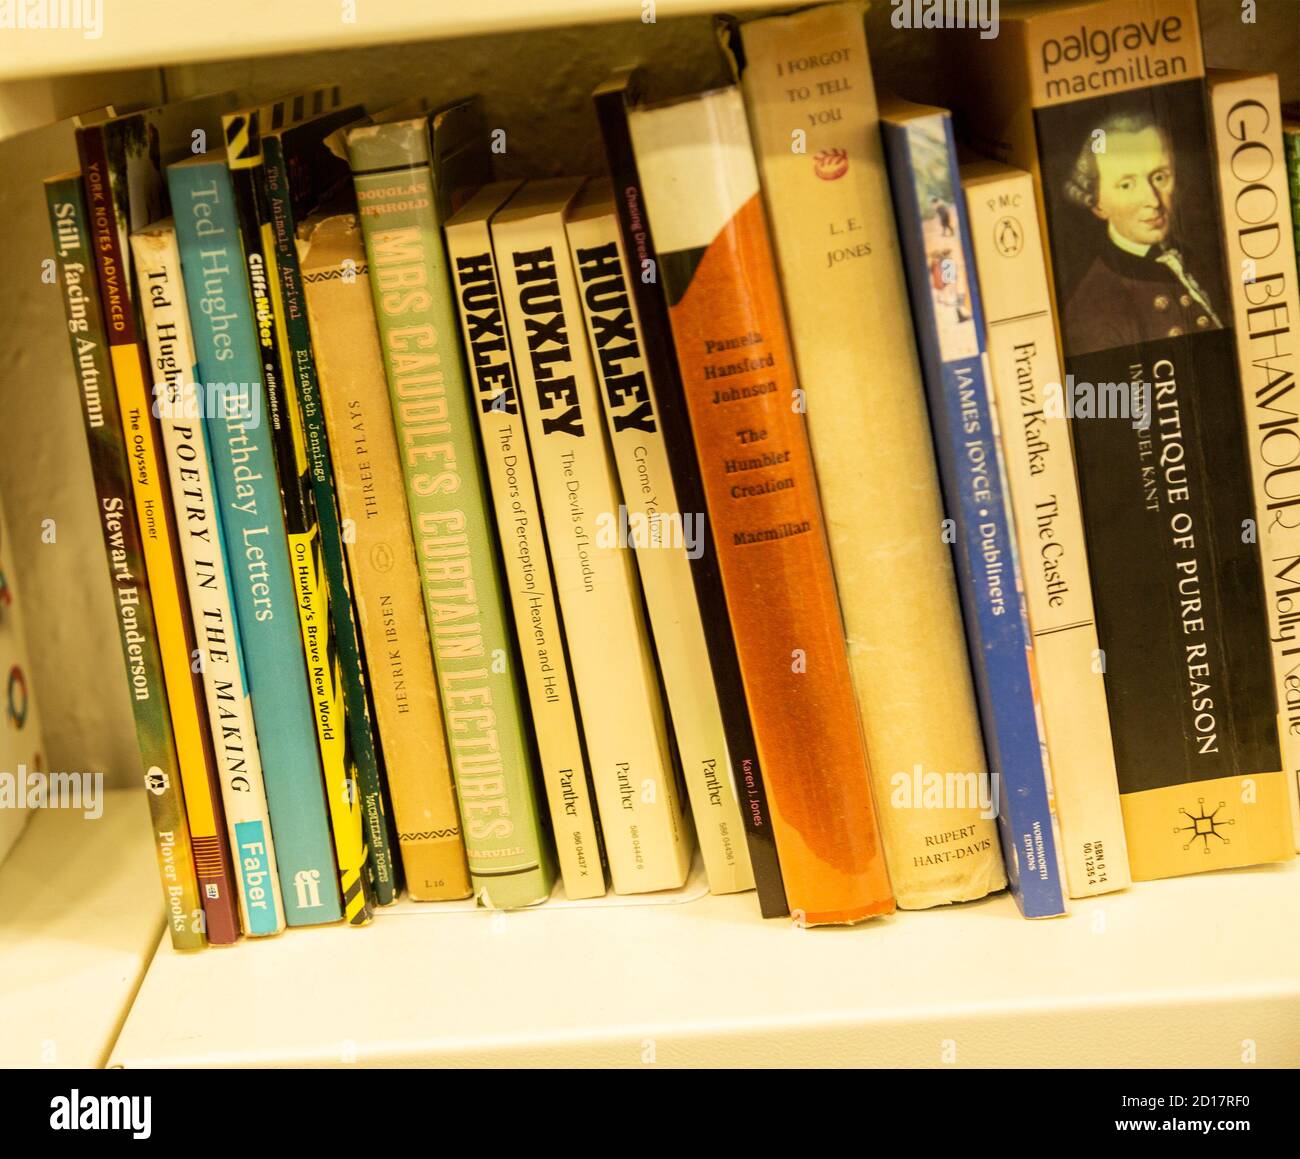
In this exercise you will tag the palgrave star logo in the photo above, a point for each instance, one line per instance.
(1204, 826)
(831, 164)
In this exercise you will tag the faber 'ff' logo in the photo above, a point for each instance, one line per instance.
(307, 884)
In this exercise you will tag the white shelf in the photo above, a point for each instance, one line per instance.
(181, 31)
(80, 914)
(1186, 972)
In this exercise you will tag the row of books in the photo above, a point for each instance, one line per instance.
(894, 529)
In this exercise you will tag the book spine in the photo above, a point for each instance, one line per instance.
(1155, 406)
(372, 499)
(623, 722)
(1257, 230)
(715, 262)
(291, 318)
(651, 520)
(306, 549)
(1291, 146)
(235, 409)
(950, 330)
(542, 649)
(1048, 525)
(473, 649)
(107, 217)
(125, 555)
(846, 302)
(669, 396)
(203, 553)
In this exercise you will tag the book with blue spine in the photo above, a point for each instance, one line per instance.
(248, 488)
(935, 236)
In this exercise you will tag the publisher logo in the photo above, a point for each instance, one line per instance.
(831, 164)
(306, 883)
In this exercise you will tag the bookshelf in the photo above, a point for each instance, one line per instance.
(1176, 972)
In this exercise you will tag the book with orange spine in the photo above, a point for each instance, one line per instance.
(716, 267)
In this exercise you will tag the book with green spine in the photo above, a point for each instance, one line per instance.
(122, 544)
(300, 150)
(288, 438)
(405, 169)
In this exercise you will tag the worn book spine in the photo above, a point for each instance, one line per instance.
(225, 343)
(1262, 278)
(123, 548)
(837, 251)
(1123, 162)
(716, 268)
(112, 155)
(935, 235)
(385, 580)
(203, 553)
(404, 173)
(646, 841)
(283, 155)
(613, 100)
(542, 649)
(306, 551)
(1025, 373)
(651, 521)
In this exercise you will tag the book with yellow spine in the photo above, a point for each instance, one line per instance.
(646, 839)
(652, 521)
(523, 542)
(1026, 373)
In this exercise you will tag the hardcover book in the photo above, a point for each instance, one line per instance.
(407, 171)
(123, 547)
(632, 769)
(1025, 373)
(542, 650)
(827, 196)
(936, 240)
(385, 580)
(715, 264)
(121, 162)
(203, 553)
(665, 394)
(252, 519)
(651, 521)
(1106, 105)
(298, 171)
(334, 731)
(1257, 230)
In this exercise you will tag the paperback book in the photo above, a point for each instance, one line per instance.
(203, 552)
(124, 550)
(121, 161)
(935, 235)
(647, 841)
(252, 519)
(527, 562)
(407, 171)
(385, 579)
